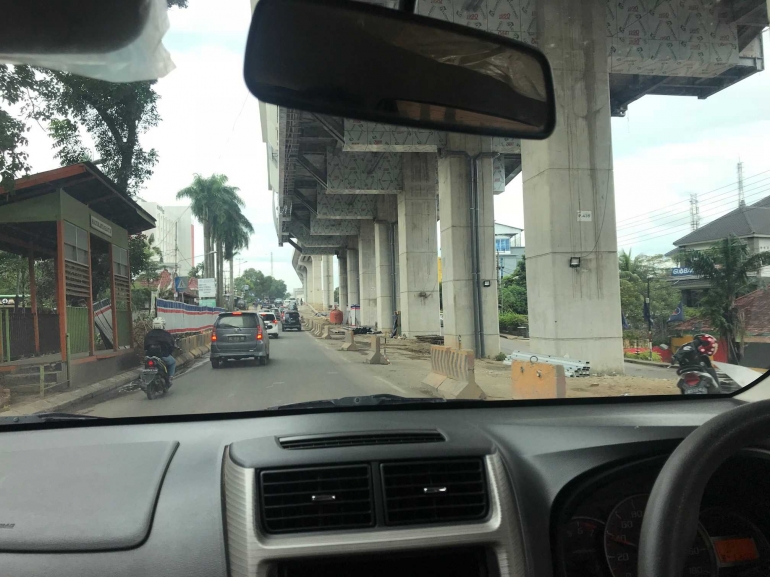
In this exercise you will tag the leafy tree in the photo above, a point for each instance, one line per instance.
(143, 256)
(513, 291)
(730, 269)
(15, 81)
(196, 271)
(14, 276)
(260, 286)
(336, 295)
(633, 290)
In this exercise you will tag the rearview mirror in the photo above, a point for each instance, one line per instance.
(366, 62)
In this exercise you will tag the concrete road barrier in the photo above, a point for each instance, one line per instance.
(537, 380)
(453, 373)
(375, 357)
(350, 342)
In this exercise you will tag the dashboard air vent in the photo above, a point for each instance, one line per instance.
(434, 491)
(359, 439)
(316, 499)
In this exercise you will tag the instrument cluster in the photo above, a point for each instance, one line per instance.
(597, 533)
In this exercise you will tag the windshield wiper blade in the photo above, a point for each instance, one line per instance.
(364, 400)
(47, 418)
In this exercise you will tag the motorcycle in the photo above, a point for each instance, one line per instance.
(696, 373)
(155, 380)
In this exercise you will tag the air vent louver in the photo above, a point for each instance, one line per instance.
(360, 439)
(316, 499)
(434, 491)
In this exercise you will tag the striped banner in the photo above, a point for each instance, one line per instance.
(184, 318)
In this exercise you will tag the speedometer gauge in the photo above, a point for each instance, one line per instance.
(582, 548)
(621, 542)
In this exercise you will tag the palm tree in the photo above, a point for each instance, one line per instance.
(234, 234)
(728, 266)
(208, 197)
(630, 266)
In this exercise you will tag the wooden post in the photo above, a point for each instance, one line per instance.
(130, 312)
(33, 300)
(90, 302)
(113, 303)
(61, 289)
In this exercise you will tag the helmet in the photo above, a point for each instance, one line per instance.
(158, 323)
(706, 344)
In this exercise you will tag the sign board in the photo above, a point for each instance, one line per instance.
(180, 284)
(208, 302)
(207, 288)
(584, 216)
(682, 271)
(101, 226)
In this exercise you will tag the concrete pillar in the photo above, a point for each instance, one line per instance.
(383, 256)
(573, 311)
(318, 298)
(328, 281)
(417, 245)
(342, 270)
(367, 274)
(353, 292)
(456, 259)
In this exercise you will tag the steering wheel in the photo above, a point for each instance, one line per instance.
(671, 517)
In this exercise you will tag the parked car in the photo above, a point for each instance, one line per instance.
(239, 335)
(271, 323)
(291, 321)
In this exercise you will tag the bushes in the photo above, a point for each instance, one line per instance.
(644, 355)
(509, 322)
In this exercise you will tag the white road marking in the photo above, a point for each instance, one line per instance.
(387, 382)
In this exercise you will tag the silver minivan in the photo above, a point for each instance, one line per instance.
(239, 335)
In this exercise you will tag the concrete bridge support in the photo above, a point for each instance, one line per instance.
(463, 316)
(328, 281)
(318, 297)
(342, 266)
(418, 246)
(574, 311)
(384, 252)
(367, 274)
(353, 281)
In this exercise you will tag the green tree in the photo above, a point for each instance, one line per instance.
(15, 81)
(196, 271)
(211, 201)
(731, 271)
(143, 256)
(513, 290)
(336, 295)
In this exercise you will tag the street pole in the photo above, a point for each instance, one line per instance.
(649, 316)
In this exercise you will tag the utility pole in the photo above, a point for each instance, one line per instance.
(694, 212)
(741, 199)
(649, 315)
(271, 264)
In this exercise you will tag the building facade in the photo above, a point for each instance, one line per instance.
(509, 248)
(173, 235)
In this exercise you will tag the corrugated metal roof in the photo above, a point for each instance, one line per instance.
(745, 221)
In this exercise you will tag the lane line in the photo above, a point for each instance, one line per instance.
(387, 382)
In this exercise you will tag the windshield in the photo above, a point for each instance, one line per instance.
(627, 254)
(237, 322)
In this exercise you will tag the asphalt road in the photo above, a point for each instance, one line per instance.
(300, 369)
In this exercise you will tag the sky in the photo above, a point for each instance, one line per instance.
(664, 148)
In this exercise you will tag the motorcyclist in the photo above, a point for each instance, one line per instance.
(159, 342)
(696, 353)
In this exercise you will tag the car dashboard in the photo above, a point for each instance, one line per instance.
(537, 489)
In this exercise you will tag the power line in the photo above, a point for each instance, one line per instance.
(700, 195)
(716, 204)
(643, 219)
(635, 237)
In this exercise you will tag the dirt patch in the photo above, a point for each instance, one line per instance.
(620, 386)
